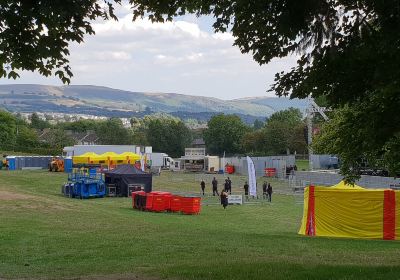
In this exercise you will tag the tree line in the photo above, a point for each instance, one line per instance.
(282, 133)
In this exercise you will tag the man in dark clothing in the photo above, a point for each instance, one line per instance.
(226, 185)
(264, 188)
(203, 186)
(229, 186)
(215, 186)
(269, 191)
(246, 190)
(224, 199)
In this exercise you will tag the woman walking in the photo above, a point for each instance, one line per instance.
(224, 199)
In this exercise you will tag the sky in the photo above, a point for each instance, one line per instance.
(183, 56)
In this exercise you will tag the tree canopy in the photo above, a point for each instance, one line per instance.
(113, 132)
(283, 132)
(38, 123)
(168, 135)
(7, 129)
(357, 147)
(35, 35)
(224, 134)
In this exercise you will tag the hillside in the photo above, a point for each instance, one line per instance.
(96, 100)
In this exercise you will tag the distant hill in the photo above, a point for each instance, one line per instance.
(104, 101)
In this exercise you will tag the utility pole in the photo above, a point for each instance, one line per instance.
(311, 110)
(310, 116)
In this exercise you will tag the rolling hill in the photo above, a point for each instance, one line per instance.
(96, 100)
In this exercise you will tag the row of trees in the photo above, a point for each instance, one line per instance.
(17, 135)
(283, 132)
(164, 133)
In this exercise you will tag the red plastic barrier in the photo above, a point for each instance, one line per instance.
(230, 169)
(191, 205)
(167, 200)
(158, 201)
(164, 201)
(149, 201)
(157, 192)
(161, 201)
(134, 194)
(176, 203)
(270, 172)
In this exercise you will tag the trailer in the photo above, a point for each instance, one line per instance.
(159, 160)
(212, 164)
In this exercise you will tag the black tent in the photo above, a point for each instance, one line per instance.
(127, 178)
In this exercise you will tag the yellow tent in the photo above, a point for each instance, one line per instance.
(112, 158)
(109, 158)
(86, 158)
(130, 157)
(353, 212)
(343, 186)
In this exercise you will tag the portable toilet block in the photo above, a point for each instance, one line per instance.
(11, 163)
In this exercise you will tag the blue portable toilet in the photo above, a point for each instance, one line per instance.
(11, 163)
(68, 164)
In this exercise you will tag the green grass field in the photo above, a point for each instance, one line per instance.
(44, 235)
(302, 164)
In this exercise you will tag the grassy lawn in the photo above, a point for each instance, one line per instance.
(44, 235)
(302, 164)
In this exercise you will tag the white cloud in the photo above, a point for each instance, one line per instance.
(177, 56)
(114, 55)
(223, 36)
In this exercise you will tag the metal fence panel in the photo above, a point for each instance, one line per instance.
(332, 178)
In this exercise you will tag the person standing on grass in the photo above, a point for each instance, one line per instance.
(215, 186)
(226, 185)
(264, 189)
(229, 186)
(269, 191)
(203, 186)
(246, 190)
(224, 199)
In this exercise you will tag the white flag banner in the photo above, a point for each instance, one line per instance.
(252, 176)
(142, 162)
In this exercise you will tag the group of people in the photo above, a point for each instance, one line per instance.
(224, 193)
(267, 191)
(290, 170)
(214, 183)
(266, 187)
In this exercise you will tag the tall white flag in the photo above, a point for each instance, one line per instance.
(142, 162)
(252, 176)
